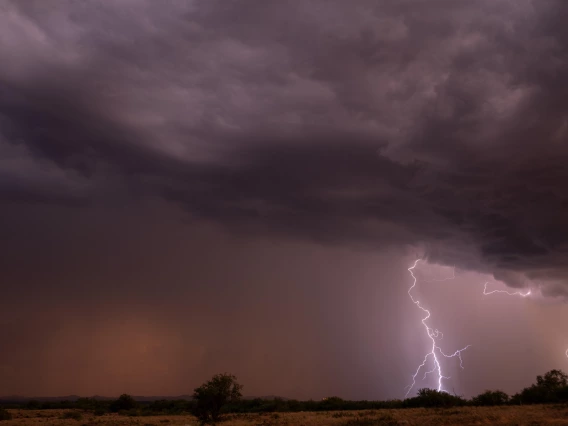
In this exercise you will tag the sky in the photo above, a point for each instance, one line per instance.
(196, 187)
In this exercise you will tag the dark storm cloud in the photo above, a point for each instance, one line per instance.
(441, 123)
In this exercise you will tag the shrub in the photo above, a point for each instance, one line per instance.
(434, 398)
(5, 414)
(385, 420)
(33, 405)
(124, 402)
(99, 411)
(168, 406)
(133, 412)
(75, 415)
(491, 398)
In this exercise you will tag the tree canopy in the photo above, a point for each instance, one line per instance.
(213, 395)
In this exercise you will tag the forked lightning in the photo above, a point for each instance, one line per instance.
(434, 335)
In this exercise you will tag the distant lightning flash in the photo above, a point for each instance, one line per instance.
(516, 293)
(434, 335)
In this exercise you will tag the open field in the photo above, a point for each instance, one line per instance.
(507, 415)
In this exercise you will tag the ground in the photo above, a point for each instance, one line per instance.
(517, 415)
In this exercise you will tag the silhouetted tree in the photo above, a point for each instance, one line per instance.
(554, 379)
(550, 388)
(213, 395)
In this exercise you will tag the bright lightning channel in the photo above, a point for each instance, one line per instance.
(434, 335)
(516, 293)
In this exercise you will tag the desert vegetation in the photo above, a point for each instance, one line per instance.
(219, 399)
(468, 415)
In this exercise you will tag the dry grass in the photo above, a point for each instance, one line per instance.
(525, 415)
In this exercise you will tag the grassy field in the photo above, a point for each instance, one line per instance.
(518, 415)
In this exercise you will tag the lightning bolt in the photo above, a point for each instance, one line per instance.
(516, 293)
(434, 335)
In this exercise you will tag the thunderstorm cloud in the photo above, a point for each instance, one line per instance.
(440, 125)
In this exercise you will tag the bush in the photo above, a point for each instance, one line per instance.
(75, 415)
(168, 406)
(562, 394)
(33, 405)
(88, 404)
(385, 420)
(489, 398)
(133, 412)
(124, 403)
(5, 414)
(434, 398)
(99, 411)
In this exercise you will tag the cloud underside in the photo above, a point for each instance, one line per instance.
(442, 124)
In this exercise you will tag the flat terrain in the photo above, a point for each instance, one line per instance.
(518, 415)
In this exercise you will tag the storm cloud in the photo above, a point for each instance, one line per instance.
(437, 123)
(440, 125)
